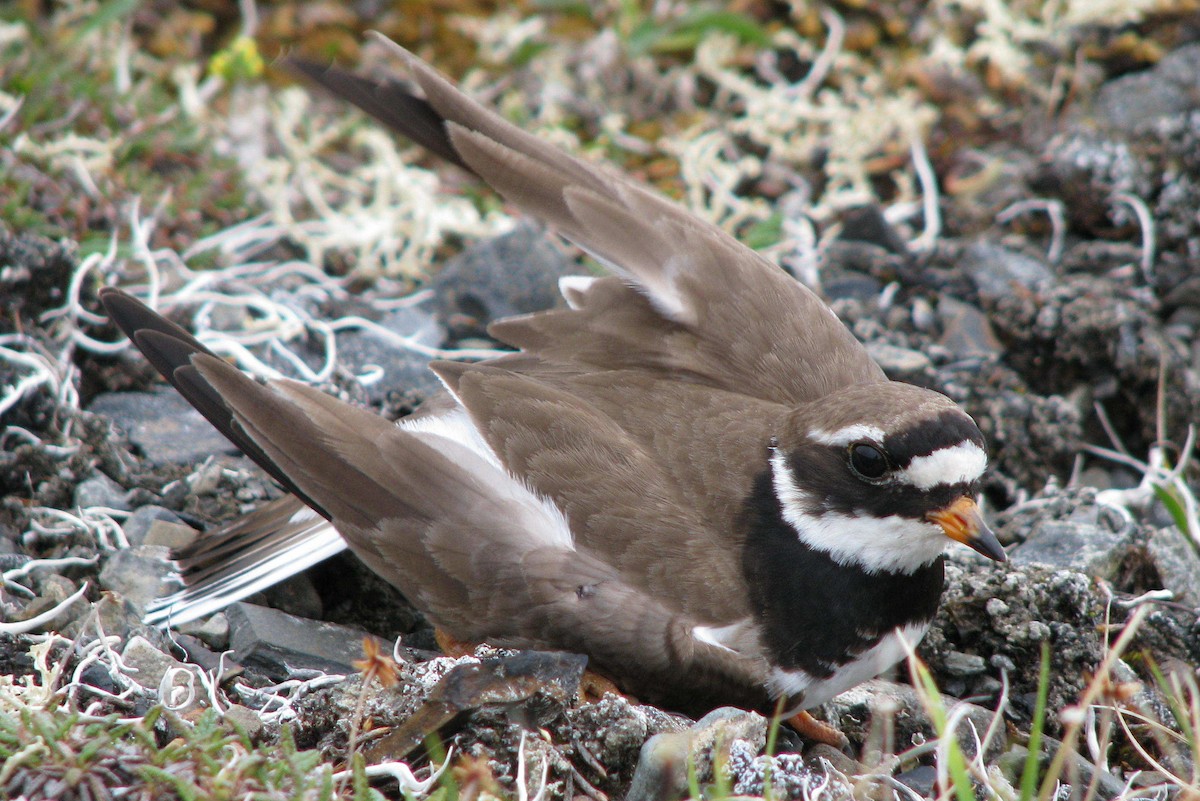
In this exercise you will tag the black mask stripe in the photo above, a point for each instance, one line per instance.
(948, 429)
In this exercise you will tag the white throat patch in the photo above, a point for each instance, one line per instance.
(894, 543)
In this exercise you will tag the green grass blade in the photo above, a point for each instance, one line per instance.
(1029, 775)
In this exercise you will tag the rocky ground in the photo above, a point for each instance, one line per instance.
(1052, 288)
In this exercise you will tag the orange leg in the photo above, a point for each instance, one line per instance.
(817, 731)
(451, 646)
(593, 687)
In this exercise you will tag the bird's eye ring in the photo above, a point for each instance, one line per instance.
(868, 461)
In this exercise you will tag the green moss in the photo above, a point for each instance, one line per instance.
(207, 760)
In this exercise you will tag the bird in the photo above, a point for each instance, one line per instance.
(692, 473)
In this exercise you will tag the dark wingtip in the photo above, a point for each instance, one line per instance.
(170, 349)
(389, 100)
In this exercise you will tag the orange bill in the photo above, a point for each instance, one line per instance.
(963, 523)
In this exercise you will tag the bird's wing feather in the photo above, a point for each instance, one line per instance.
(245, 556)
(461, 541)
(622, 499)
(733, 313)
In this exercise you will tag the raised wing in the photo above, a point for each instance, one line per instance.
(734, 320)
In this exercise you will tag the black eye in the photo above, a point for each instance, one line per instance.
(868, 461)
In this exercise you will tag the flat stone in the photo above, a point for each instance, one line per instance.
(849, 285)
(52, 590)
(162, 425)
(297, 595)
(150, 667)
(996, 270)
(212, 631)
(966, 331)
(898, 362)
(138, 524)
(149, 663)
(868, 224)
(208, 660)
(1087, 541)
(1012, 766)
(101, 491)
(173, 536)
(1131, 103)
(278, 644)
(922, 779)
(245, 720)
(137, 577)
(960, 664)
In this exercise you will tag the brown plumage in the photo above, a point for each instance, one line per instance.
(659, 479)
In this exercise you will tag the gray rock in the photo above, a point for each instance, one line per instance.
(52, 590)
(960, 664)
(1090, 540)
(138, 524)
(296, 595)
(1012, 767)
(850, 285)
(149, 668)
(404, 370)
(212, 631)
(515, 273)
(996, 270)
(278, 644)
(1131, 103)
(922, 779)
(666, 758)
(966, 331)
(897, 362)
(149, 664)
(244, 719)
(878, 700)
(100, 490)
(162, 425)
(170, 535)
(1185, 293)
(137, 577)
(869, 224)
(1175, 560)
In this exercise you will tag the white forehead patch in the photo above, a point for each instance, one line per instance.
(962, 463)
(894, 544)
(844, 436)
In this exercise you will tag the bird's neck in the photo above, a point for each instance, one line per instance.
(815, 613)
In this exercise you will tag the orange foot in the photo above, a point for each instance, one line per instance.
(817, 731)
(593, 687)
(451, 646)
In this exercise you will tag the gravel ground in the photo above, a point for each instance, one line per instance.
(1055, 294)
